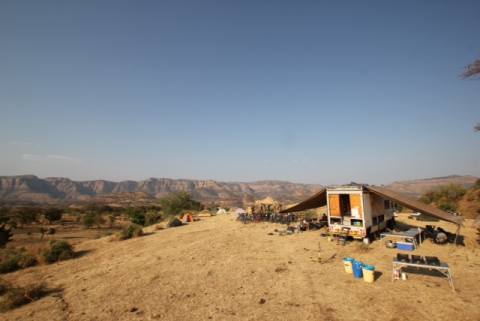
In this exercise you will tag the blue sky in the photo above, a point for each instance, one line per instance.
(306, 91)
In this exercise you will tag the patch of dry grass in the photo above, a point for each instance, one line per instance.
(362, 248)
(12, 297)
(220, 269)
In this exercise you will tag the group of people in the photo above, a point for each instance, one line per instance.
(303, 224)
(271, 213)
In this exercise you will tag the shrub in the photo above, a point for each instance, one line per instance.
(11, 260)
(152, 217)
(111, 220)
(445, 197)
(92, 218)
(477, 184)
(27, 260)
(89, 220)
(25, 215)
(4, 286)
(9, 265)
(4, 215)
(136, 215)
(105, 209)
(174, 222)
(5, 234)
(133, 230)
(58, 251)
(448, 206)
(14, 297)
(53, 214)
(50, 231)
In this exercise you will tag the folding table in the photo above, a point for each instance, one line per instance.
(443, 268)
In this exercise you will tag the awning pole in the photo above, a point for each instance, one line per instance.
(457, 233)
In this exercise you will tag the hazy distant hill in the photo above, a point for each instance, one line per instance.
(32, 189)
(29, 188)
(418, 187)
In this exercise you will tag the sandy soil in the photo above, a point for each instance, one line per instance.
(219, 269)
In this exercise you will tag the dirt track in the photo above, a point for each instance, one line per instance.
(219, 269)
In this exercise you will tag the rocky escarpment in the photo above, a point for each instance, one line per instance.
(29, 188)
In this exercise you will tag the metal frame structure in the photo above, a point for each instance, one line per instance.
(443, 268)
(411, 234)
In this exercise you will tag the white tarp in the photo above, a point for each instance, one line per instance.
(240, 211)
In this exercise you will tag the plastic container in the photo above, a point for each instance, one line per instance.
(368, 273)
(347, 264)
(357, 269)
(405, 246)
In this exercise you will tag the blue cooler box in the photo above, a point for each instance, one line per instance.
(405, 246)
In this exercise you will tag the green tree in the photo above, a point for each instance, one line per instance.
(53, 214)
(92, 218)
(136, 215)
(176, 203)
(152, 217)
(25, 215)
(105, 209)
(4, 215)
(89, 219)
(473, 70)
(5, 234)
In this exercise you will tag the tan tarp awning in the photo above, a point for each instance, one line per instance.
(320, 199)
(414, 204)
(317, 200)
(267, 201)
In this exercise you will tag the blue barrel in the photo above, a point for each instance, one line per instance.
(357, 269)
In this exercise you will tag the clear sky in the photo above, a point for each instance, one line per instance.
(307, 91)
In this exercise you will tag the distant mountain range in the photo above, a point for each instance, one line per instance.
(32, 189)
(52, 190)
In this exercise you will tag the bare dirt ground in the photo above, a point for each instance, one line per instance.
(220, 269)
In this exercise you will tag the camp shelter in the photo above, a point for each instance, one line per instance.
(187, 218)
(267, 201)
(267, 205)
(359, 210)
(221, 211)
